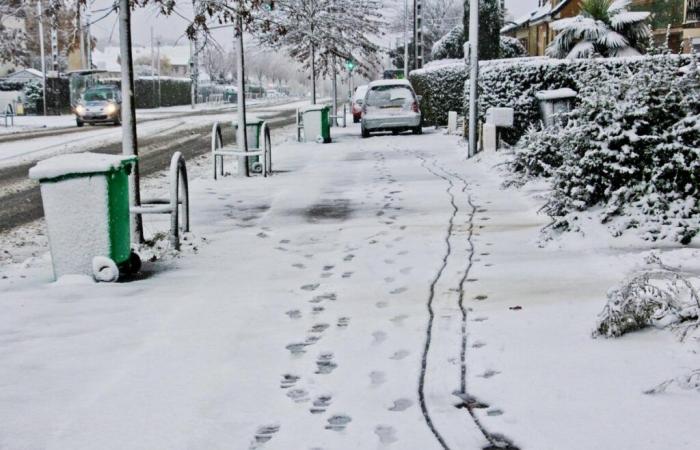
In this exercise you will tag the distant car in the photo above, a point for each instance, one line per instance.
(391, 105)
(99, 104)
(357, 99)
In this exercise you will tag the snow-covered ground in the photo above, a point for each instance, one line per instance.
(340, 304)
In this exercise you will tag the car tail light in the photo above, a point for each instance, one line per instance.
(414, 107)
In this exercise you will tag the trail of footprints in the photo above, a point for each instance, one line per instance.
(320, 303)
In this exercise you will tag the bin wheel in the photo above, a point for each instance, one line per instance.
(418, 130)
(256, 167)
(104, 269)
(365, 132)
(133, 265)
(79, 122)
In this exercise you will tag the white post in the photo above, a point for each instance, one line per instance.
(88, 48)
(41, 49)
(313, 73)
(335, 96)
(129, 142)
(242, 135)
(474, 74)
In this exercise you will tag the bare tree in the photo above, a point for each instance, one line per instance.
(323, 34)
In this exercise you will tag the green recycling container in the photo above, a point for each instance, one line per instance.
(317, 124)
(254, 138)
(86, 206)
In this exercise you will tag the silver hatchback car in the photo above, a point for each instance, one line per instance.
(390, 105)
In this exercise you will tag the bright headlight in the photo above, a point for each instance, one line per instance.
(80, 109)
(111, 108)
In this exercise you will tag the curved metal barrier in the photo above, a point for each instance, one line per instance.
(219, 150)
(179, 198)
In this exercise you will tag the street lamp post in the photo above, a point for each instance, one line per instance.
(474, 74)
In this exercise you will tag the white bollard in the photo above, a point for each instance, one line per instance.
(452, 122)
(488, 136)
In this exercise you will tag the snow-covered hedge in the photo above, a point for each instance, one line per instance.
(511, 48)
(439, 84)
(173, 91)
(630, 149)
(451, 46)
(514, 82)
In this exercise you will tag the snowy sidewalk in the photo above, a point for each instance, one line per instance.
(341, 304)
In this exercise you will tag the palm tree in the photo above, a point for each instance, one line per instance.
(604, 27)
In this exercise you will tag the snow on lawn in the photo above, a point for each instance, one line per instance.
(297, 317)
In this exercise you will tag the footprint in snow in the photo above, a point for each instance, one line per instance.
(400, 290)
(325, 364)
(347, 274)
(406, 270)
(478, 344)
(481, 297)
(288, 380)
(328, 268)
(298, 395)
(297, 348)
(338, 422)
(398, 320)
(317, 309)
(310, 287)
(321, 404)
(264, 434)
(378, 337)
(285, 241)
(294, 314)
(494, 412)
(326, 274)
(319, 328)
(386, 433)
(299, 266)
(389, 279)
(382, 304)
(401, 404)
(343, 322)
(399, 355)
(480, 319)
(349, 257)
(489, 373)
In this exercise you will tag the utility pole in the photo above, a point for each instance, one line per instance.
(473, 75)
(405, 39)
(41, 50)
(88, 48)
(160, 99)
(242, 134)
(129, 141)
(418, 43)
(153, 71)
(81, 36)
(54, 48)
(313, 72)
(335, 95)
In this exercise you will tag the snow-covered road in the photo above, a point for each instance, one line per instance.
(357, 299)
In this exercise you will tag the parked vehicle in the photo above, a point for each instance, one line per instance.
(99, 104)
(357, 99)
(394, 74)
(391, 105)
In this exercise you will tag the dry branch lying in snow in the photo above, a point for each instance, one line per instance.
(687, 382)
(658, 296)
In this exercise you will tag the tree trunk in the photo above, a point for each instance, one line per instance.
(313, 74)
(242, 134)
(129, 141)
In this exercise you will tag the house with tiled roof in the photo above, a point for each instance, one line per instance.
(681, 18)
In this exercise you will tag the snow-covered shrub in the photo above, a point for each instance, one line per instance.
(657, 296)
(450, 45)
(514, 82)
(632, 146)
(511, 48)
(33, 96)
(538, 154)
(440, 87)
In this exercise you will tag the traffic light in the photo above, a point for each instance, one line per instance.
(350, 65)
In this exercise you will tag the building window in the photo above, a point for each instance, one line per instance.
(692, 11)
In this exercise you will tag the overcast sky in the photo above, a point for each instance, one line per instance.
(172, 28)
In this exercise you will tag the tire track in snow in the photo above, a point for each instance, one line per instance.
(431, 312)
(496, 441)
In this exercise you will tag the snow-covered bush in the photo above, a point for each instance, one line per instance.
(633, 146)
(33, 96)
(657, 296)
(440, 86)
(514, 82)
(538, 154)
(511, 48)
(451, 46)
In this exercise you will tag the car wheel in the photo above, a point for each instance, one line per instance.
(79, 122)
(395, 132)
(365, 132)
(418, 130)
(117, 122)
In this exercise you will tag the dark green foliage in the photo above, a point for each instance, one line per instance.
(490, 24)
(437, 86)
(173, 92)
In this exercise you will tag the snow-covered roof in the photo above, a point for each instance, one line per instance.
(389, 83)
(77, 163)
(108, 58)
(26, 74)
(556, 94)
(537, 15)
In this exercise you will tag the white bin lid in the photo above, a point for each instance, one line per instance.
(78, 164)
(315, 108)
(556, 94)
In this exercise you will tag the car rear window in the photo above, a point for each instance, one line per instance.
(360, 93)
(390, 97)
